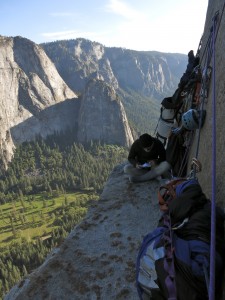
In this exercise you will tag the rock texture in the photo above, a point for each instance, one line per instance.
(149, 73)
(97, 260)
(35, 101)
(206, 136)
(30, 84)
(102, 116)
(79, 60)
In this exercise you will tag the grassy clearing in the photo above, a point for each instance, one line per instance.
(33, 216)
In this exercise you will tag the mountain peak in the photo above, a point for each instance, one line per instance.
(102, 115)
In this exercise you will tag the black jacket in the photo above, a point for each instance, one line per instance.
(138, 155)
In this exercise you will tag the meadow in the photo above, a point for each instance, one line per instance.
(37, 215)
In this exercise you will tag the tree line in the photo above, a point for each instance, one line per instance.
(49, 167)
(45, 166)
(23, 256)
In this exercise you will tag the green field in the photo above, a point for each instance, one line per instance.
(37, 206)
(35, 216)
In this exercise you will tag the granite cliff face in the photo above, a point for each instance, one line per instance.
(97, 261)
(80, 60)
(152, 74)
(35, 101)
(206, 134)
(141, 79)
(29, 85)
(149, 73)
(102, 116)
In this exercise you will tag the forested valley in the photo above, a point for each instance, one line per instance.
(44, 193)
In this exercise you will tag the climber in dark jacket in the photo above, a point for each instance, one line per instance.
(147, 159)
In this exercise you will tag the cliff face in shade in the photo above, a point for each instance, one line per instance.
(102, 116)
(29, 84)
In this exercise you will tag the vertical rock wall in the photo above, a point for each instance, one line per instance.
(102, 116)
(206, 136)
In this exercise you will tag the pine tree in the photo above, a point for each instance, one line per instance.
(21, 219)
(20, 194)
(66, 201)
(12, 226)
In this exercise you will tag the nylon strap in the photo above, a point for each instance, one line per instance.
(170, 280)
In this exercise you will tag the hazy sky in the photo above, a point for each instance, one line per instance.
(161, 25)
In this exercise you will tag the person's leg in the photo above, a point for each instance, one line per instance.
(131, 170)
(162, 168)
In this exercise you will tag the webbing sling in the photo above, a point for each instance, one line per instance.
(169, 194)
(168, 262)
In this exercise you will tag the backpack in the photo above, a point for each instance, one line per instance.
(146, 276)
(191, 260)
(173, 261)
(167, 192)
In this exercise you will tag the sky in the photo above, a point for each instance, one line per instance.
(174, 26)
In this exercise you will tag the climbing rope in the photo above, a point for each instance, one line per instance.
(211, 57)
(204, 93)
(204, 83)
(196, 166)
(216, 33)
(213, 201)
(186, 155)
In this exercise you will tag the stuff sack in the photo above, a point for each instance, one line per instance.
(164, 130)
(167, 120)
(191, 262)
(150, 251)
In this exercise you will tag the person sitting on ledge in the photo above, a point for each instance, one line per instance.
(147, 159)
